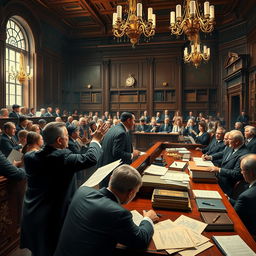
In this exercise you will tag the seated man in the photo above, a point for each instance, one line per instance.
(239, 127)
(217, 157)
(191, 129)
(250, 138)
(166, 127)
(217, 144)
(8, 140)
(96, 221)
(142, 127)
(153, 127)
(229, 171)
(245, 205)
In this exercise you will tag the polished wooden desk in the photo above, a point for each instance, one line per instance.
(144, 140)
(142, 202)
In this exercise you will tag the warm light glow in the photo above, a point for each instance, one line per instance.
(134, 25)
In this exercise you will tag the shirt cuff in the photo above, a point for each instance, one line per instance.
(149, 220)
(131, 155)
(96, 142)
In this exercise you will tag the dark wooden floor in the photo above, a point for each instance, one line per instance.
(23, 252)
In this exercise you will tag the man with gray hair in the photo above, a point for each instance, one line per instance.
(250, 138)
(229, 171)
(96, 221)
(245, 205)
(51, 185)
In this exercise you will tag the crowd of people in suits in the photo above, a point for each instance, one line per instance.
(57, 152)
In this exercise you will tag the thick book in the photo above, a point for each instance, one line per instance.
(217, 221)
(210, 205)
(178, 166)
(233, 246)
(209, 194)
(168, 194)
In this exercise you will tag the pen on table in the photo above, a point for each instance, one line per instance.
(175, 164)
(206, 203)
(216, 218)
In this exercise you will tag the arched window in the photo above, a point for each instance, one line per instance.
(17, 53)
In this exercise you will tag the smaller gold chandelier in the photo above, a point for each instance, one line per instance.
(21, 75)
(192, 20)
(196, 56)
(134, 25)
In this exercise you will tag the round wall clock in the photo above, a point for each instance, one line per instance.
(130, 81)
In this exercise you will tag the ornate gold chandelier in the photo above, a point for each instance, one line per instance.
(192, 20)
(196, 55)
(21, 75)
(134, 25)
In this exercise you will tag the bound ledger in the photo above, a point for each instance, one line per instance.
(210, 205)
(233, 246)
(217, 221)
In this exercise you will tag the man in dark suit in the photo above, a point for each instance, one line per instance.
(10, 171)
(190, 116)
(243, 118)
(146, 117)
(8, 140)
(250, 138)
(142, 127)
(15, 111)
(217, 144)
(57, 113)
(117, 143)
(166, 127)
(51, 185)
(245, 205)
(22, 125)
(73, 145)
(96, 221)
(229, 171)
(191, 129)
(153, 127)
(159, 119)
(49, 112)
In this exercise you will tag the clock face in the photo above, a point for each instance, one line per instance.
(129, 81)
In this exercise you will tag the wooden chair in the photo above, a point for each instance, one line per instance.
(239, 188)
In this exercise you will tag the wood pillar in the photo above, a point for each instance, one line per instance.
(150, 96)
(106, 87)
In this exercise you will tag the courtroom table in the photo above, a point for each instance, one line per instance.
(143, 140)
(142, 202)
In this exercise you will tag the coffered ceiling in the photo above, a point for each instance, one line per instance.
(93, 18)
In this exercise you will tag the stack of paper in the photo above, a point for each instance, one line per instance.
(178, 166)
(200, 162)
(156, 170)
(136, 217)
(183, 236)
(210, 194)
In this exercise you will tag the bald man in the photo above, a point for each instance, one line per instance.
(245, 205)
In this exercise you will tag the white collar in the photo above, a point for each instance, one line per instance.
(252, 183)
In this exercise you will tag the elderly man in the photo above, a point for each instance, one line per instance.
(51, 185)
(217, 144)
(250, 138)
(229, 171)
(166, 127)
(96, 221)
(142, 127)
(245, 205)
(8, 140)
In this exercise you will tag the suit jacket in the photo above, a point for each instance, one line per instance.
(152, 128)
(218, 156)
(117, 144)
(147, 119)
(246, 208)
(243, 119)
(55, 114)
(168, 128)
(10, 171)
(95, 223)
(51, 185)
(252, 145)
(159, 119)
(214, 147)
(203, 139)
(7, 144)
(14, 114)
(187, 131)
(230, 169)
(141, 128)
(75, 148)
(48, 114)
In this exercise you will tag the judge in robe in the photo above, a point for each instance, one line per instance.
(50, 187)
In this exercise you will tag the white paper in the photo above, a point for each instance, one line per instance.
(196, 250)
(101, 173)
(14, 155)
(177, 176)
(234, 246)
(195, 225)
(136, 217)
(156, 170)
(200, 162)
(211, 194)
(177, 165)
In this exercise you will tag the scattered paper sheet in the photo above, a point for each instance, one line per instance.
(177, 237)
(136, 217)
(14, 155)
(196, 250)
(195, 225)
(177, 176)
(101, 173)
(156, 170)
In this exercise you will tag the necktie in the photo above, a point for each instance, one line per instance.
(14, 142)
(229, 155)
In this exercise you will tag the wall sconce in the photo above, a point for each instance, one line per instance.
(165, 84)
(89, 86)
